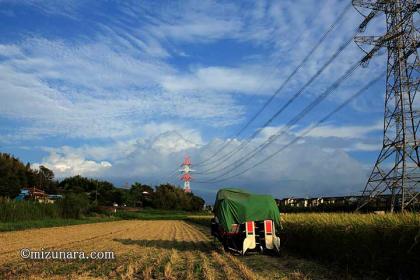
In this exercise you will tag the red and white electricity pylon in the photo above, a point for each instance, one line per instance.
(186, 176)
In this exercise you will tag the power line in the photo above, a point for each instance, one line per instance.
(287, 104)
(187, 140)
(362, 62)
(302, 135)
(298, 117)
(305, 59)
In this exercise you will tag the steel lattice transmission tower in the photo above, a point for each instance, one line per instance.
(397, 169)
(186, 173)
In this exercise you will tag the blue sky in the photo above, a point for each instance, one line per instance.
(123, 91)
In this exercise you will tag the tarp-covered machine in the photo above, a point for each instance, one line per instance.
(244, 221)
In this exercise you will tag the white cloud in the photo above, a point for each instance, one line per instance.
(92, 91)
(154, 129)
(351, 131)
(266, 25)
(162, 137)
(365, 147)
(246, 79)
(171, 142)
(304, 169)
(65, 165)
(9, 51)
(187, 21)
(201, 27)
(51, 7)
(121, 82)
(119, 78)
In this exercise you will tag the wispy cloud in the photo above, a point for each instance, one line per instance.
(91, 91)
(150, 81)
(342, 131)
(249, 79)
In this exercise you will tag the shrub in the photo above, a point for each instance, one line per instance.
(74, 205)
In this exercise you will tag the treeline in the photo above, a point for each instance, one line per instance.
(103, 193)
(87, 194)
(15, 175)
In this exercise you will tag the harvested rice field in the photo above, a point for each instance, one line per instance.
(143, 250)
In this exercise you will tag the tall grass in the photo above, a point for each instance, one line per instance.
(388, 244)
(13, 211)
(384, 245)
(19, 215)
(73, 206)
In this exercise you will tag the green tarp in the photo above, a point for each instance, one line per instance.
(236, 206)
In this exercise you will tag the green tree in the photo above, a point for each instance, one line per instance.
(46, 180)
(15, 175)
(10, 182)
(197, 203)
(74, 205)
(171, 197)
(77, 184)
(165, 197)
(140, 195)
(118, 196)
(9, 185)
(105, 191)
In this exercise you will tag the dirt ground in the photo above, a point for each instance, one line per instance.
(143, 250)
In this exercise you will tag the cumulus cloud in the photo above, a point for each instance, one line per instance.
(304, 169)
(65, 165)
(161, 137)
(170, 142)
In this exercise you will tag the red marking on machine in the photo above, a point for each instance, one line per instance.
(268, 227)
(250, 228)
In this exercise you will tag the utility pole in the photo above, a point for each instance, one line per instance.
(397, 168)
(186, 176)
